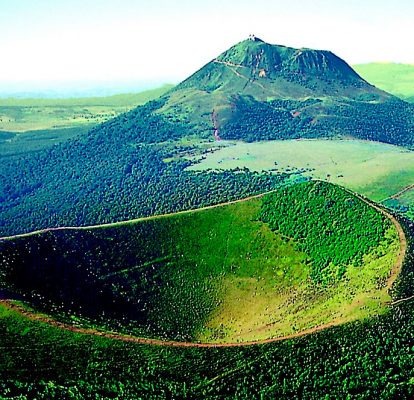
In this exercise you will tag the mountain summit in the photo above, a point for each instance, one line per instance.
(257, 68)
(256, 91)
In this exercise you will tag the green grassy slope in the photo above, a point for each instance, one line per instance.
(366, 360)
(397, 79)
(402, 202)
(261, 69)
(217, 275)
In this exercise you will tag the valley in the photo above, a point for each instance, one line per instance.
(210, 275)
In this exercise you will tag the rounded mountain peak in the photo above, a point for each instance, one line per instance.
(277, 60)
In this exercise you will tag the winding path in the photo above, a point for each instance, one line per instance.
(127, 338)
(132, 221)
(401, 235)
(401, 192)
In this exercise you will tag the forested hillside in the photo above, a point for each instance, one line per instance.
(326, 223)
(132, 165)
(111, 174)
(388, 122)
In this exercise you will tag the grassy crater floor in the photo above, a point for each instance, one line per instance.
(303, 256)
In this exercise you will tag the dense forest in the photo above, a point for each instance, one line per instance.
(389, 122)
(254, 120)
(327, 223)
(112, 174)
(130, 166)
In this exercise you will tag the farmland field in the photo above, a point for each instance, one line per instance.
(374, 169)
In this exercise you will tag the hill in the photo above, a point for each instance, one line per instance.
(256, 90)
(41, 360)
(263, 70)
(397, 79)
(135, 164)
(303, 256)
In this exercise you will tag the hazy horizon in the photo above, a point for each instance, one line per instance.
(77, 88)
(87, 88)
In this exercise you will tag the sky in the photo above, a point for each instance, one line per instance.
(43, 42)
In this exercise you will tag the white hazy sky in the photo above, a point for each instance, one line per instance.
(166, 40)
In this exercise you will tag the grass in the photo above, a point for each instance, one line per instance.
(252, 310)
(40, 361)
(374, 169)
(403, 204)
(407, 198)
(29, 125)
(217, 275)
(397, 79)
(372, 358)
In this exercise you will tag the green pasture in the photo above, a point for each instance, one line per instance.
(403, 203)
(374, 169)
(407, 198)
(397, 79)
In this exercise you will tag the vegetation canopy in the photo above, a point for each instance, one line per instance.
(297, 258)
